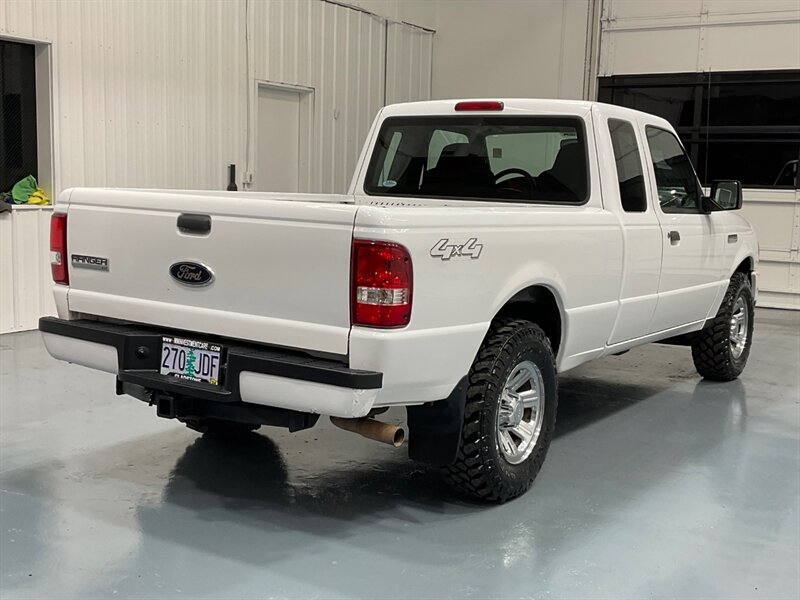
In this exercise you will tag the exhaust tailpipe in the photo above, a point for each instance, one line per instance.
(372, 429)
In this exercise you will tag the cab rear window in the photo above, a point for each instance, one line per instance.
(513, 159)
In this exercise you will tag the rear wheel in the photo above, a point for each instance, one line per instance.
(721, 349)
(510, 413)
(220, 428)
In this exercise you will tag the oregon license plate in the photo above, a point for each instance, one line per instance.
(191, 359)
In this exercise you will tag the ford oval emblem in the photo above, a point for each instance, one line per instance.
(191, 273)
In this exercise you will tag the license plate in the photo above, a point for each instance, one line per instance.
(190, 359)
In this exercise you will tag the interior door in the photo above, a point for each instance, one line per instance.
(620, 140)
(690, 276)
(277, 140)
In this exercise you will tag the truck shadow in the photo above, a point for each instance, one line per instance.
(252, 472)
(277, 502)
(343, 483)
(268, 499)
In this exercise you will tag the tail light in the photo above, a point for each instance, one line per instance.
(58, 248)
(381, 284)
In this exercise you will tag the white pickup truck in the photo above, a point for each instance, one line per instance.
(483, 247)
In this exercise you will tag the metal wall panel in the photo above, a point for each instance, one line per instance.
(25, 282)
(775, 215)
(409, 55)
(145, 94)
(156, 94)
(698, 35)
(162, 94)
(339, 53)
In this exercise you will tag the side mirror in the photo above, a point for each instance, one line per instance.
(725, 195)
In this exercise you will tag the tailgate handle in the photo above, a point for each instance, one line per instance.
(189, 223)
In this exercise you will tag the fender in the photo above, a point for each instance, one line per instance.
(548, 279)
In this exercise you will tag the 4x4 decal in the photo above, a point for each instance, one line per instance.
(445, 249)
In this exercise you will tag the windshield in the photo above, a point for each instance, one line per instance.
(523, 159)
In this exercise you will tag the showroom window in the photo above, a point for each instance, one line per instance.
(735, 125)
(18, 155)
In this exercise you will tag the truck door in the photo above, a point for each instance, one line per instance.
(626, 194)
(689, 273)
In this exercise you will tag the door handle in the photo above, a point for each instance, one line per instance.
(674, 237)
(194, 223)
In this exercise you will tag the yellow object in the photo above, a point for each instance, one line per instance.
(38, 197)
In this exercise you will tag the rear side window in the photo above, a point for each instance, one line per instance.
(515, 159)
(678, 189)
(629, 166)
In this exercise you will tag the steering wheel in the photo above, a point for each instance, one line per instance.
(515, 171)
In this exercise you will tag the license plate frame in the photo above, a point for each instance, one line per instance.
(193, 360)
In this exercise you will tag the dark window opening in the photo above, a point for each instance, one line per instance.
(676, 181)
(509, 158)
(629, 166)
(18, 157)
(734, 125)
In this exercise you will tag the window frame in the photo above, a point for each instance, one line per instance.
(440, 120)
(698, 210)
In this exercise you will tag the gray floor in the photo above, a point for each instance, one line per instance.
(658, 485)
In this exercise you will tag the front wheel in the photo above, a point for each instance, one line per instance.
(510, 413)
(721, 349)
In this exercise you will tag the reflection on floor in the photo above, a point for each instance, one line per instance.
(657, 484)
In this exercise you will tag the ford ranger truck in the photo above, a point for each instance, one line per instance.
(484, 246)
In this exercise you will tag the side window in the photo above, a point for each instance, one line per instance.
(678, 190)
(629, 166)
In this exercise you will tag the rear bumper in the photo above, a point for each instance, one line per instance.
(252, 374)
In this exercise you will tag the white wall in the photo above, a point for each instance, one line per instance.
(775, 215)
(157, 94)
(510, 48)
(418, 12)
(653, 36)
(25, 280)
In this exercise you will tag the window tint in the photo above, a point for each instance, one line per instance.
(760, 103)
(736, 125)
(629, 166)
(756, 161)
(534, 151)
(676, 182)
(675, 103)
(439, 141)
(391, 153)
(18, 153)
(788, 174)
(524, 159)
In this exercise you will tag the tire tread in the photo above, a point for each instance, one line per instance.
(470, 474)
(710, 349)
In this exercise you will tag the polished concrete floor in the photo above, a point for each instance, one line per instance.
(657, 485)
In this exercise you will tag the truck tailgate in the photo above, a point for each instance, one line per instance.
(281, 269)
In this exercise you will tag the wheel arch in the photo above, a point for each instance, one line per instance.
(540, 304)
(747, 266)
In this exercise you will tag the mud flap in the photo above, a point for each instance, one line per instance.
(434, 429)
